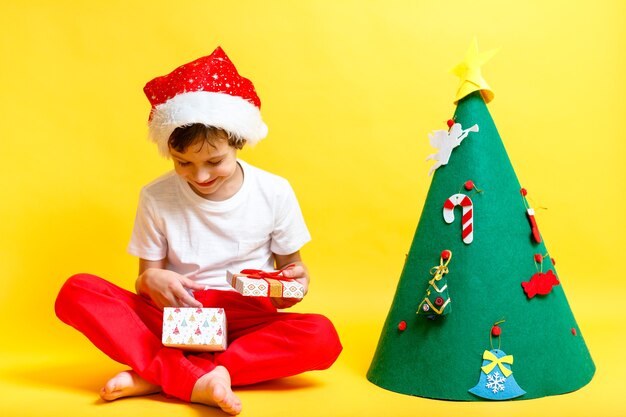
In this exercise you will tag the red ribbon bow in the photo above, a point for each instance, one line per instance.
(258, 273)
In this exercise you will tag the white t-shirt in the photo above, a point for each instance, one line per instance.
(201, 239)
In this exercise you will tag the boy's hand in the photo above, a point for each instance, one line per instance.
(167, 288)
(298, 272)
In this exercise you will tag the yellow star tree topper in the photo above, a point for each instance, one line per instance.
(469, 73)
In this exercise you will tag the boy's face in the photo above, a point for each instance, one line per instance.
(210, 169)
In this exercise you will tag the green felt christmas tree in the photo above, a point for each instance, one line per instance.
(509, 331)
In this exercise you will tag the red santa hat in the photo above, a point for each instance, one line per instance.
(209, 91)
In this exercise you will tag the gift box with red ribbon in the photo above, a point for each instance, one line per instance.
(258, 283)
(195, 329)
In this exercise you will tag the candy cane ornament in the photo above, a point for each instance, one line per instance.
(467, 220)
(530, 213)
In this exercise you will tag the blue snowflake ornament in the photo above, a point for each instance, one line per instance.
(496, 377)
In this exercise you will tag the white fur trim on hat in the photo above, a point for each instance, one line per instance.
(231, 113)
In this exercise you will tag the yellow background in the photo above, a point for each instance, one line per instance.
(350, 90)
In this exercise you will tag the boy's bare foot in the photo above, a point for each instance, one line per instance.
(127, 384)
(214, 389)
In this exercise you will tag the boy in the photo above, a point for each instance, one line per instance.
(213, 213)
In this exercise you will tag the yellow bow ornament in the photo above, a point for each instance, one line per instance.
(497, 361)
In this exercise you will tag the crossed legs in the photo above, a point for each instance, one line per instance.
(264, 344)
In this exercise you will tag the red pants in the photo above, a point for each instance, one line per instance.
(263, 344)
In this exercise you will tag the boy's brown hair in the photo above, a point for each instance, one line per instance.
(184, 136)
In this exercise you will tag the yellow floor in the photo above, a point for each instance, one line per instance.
(42, 380)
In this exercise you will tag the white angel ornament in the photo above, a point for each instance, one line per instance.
(446, 141)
